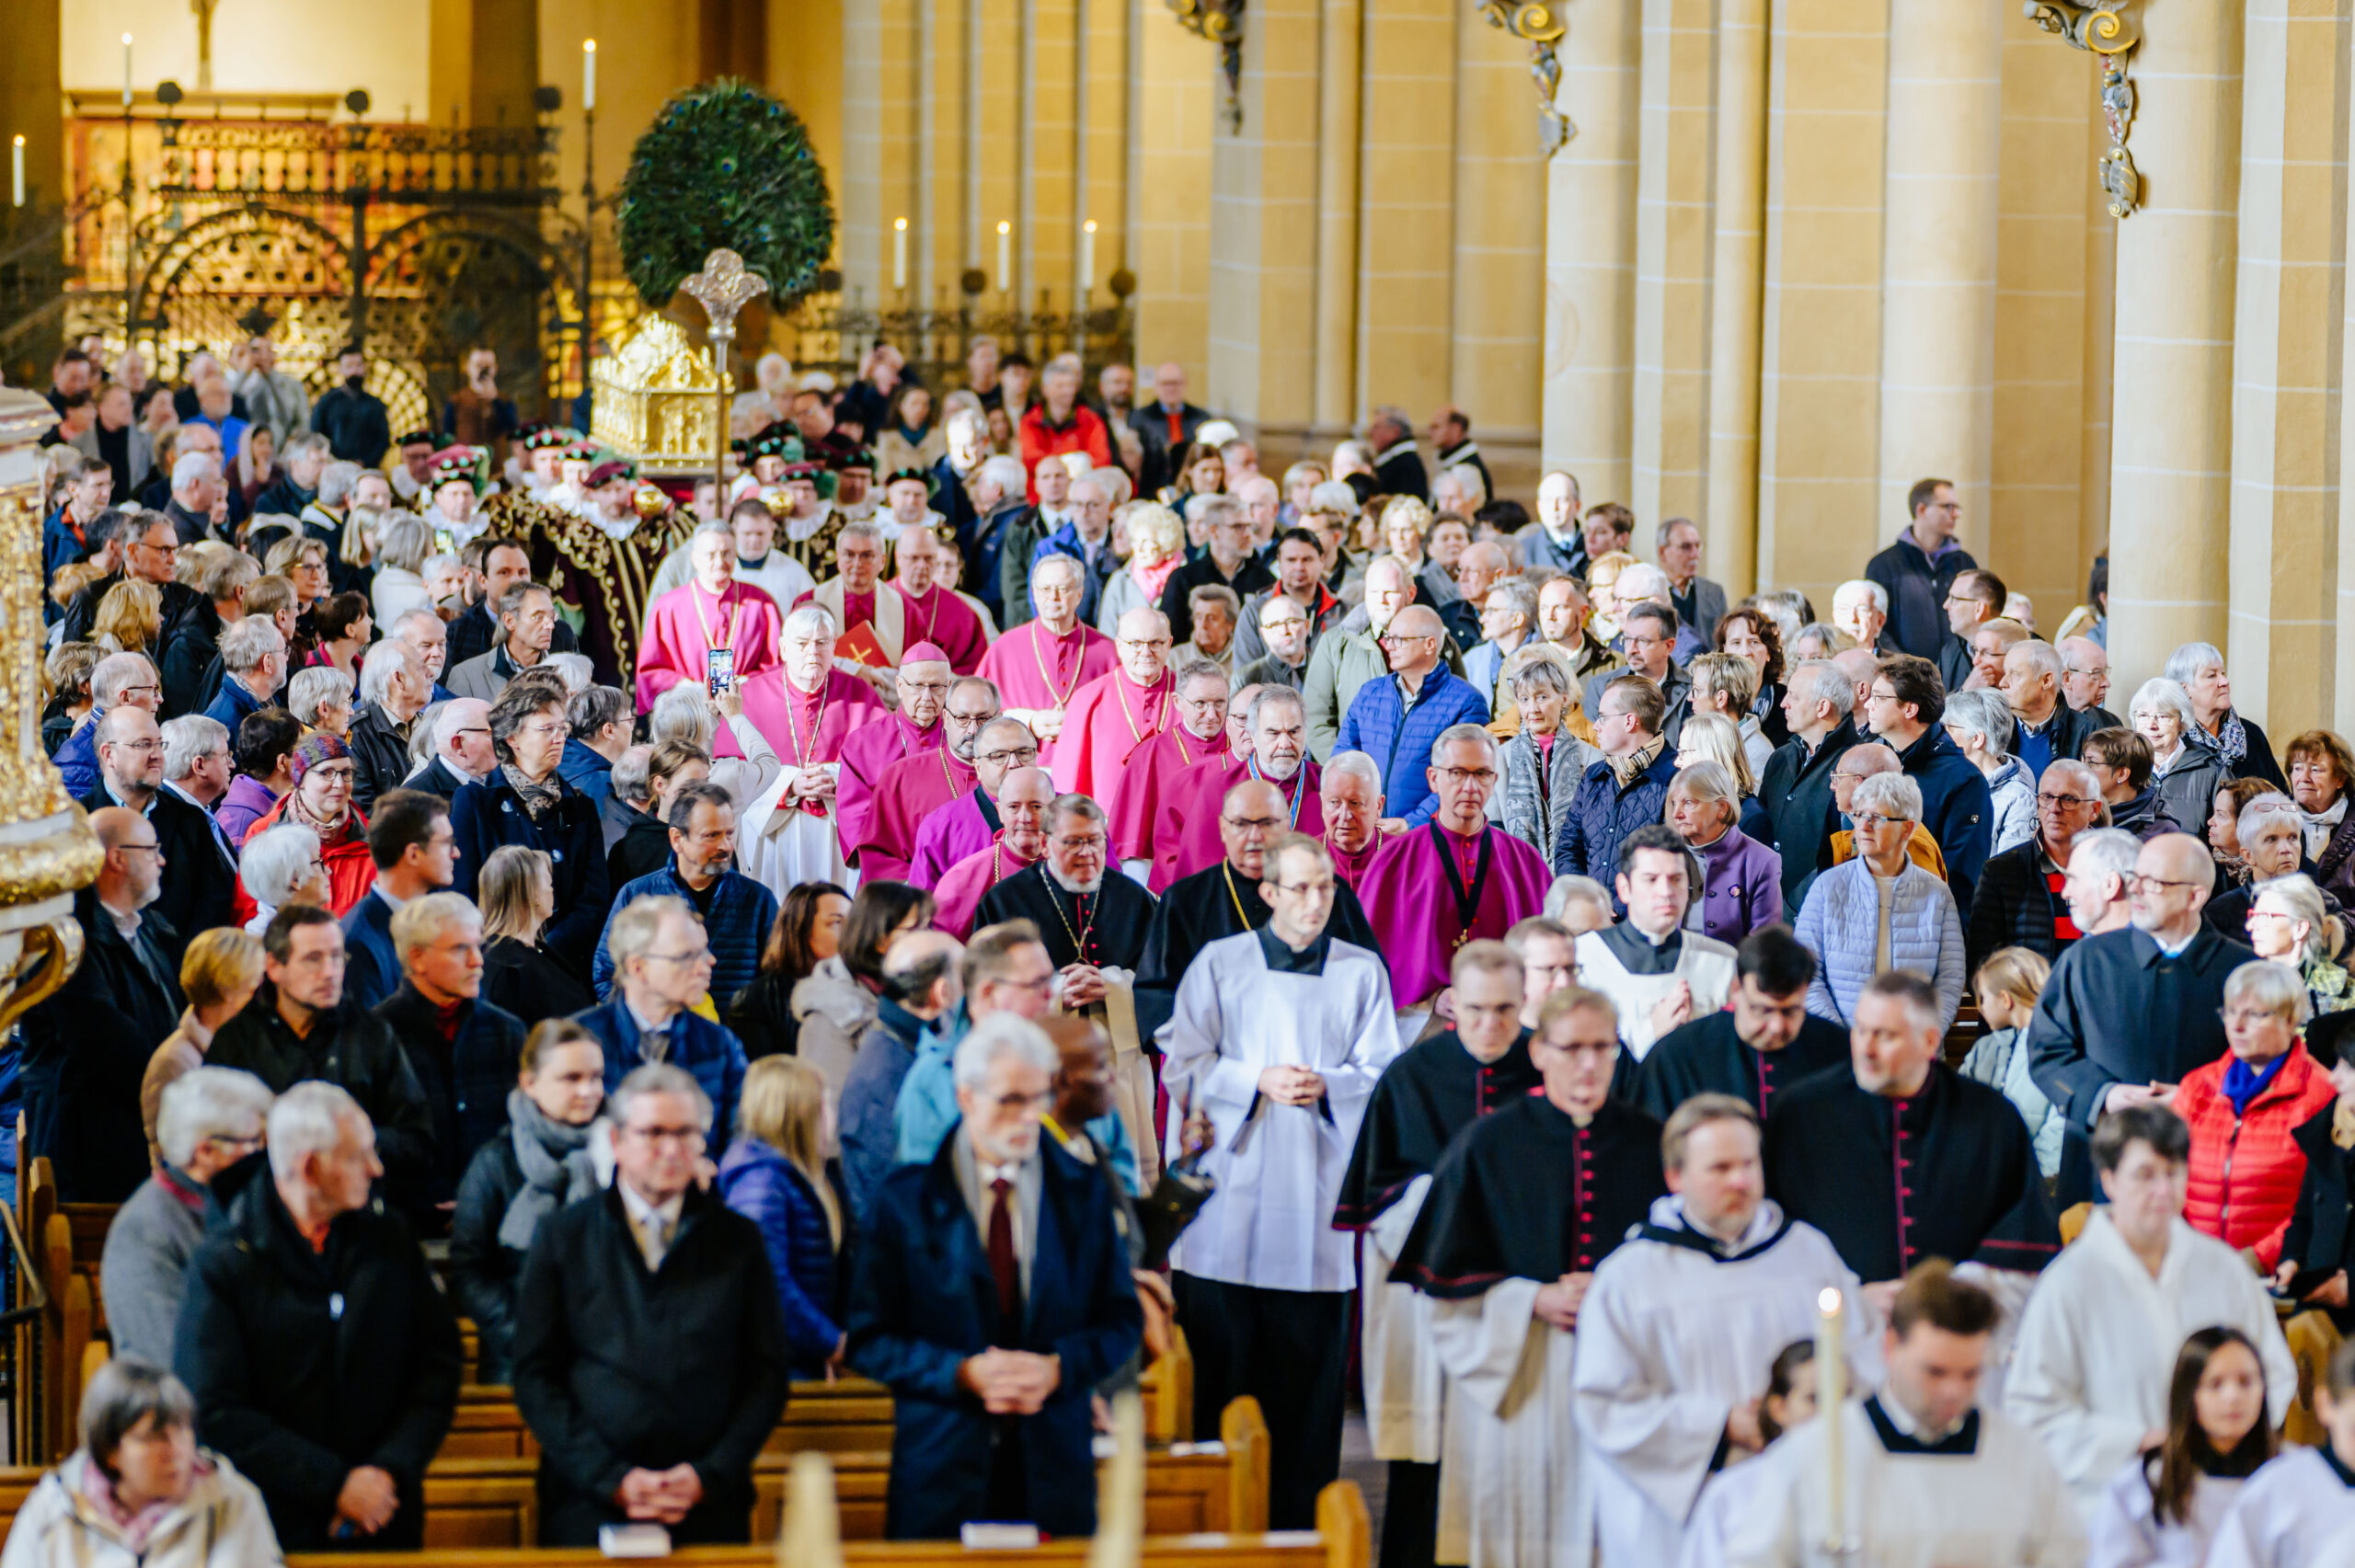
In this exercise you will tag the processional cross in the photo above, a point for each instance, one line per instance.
(723, 287)
(203, 9)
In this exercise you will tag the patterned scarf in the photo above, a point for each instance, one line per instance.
(1624, 769)
(538, 800)
(2230, 741)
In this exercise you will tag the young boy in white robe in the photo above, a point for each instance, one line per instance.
(1916, 1476)
(1676, 1336)
(2299, 1511)
(2103, 1327)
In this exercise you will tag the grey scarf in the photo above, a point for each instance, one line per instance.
(539, 799)
(555, 1159)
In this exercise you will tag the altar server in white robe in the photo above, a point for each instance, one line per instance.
(1524, 1206)
(2163, 1508)
(1658, 974)
(1789, 1403)
(1279, 1034)
(1685, 1319)
(2097, 1346)
(1924, 1478)
(2299, 1511)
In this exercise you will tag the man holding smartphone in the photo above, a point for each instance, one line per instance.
(476, 415)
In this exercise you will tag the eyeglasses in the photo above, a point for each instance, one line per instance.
(936, 687)
(1254, 824)
(343, 774)
(1463, 775)
(1864, 819)
(1014, 1104)
(550, 729)
(2044, 799)
(1310, 889)
(978, 718)
(1024, 755)
(1388, 638)
(1092, 842)
(2136, 879)
(684, 1137)
(694, 955)
(2243, 1017)
(136, 745)
(152, 847)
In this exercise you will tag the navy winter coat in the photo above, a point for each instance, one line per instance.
(742, 913)
(763, 1185)
(1602, 814)
(489, 816)
(1956, 807)
(1400, 742)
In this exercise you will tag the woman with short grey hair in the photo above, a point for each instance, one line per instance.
(1981, 723)
(1544, 762)
(321, 697)
(1880, 911)
(139, 1492)
(2237, 743)
(2186, 774)
(401, 548)
(283, 865)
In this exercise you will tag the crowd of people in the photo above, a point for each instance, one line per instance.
(1002, 819)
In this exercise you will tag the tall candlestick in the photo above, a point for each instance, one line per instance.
(1830, 1393)
(900, 253)
(1004, 255)
(1086, 259)
(588, 73)
(126, 73)
(16, 172)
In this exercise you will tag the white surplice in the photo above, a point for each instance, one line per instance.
(2001, 1506)
(1670, 1339)
(2097, 1346)
(1404, 1386)
(2126, 1533)
(1702, 963)
(2295, 1513)
(1513, 1491)
(1279, 1168)
(778, 844)
(1731, 1494)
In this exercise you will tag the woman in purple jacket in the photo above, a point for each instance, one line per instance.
(1741, 888)
(774, 1174)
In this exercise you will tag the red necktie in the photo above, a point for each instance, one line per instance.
(1003, 1267)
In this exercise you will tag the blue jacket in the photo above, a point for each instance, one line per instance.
(230, 703)
(762, 1184)
(741, 913)
(1601, 814)
(713, 1055)
(77, 759)
(923, 1301)
(1956, 807)
(59, 549)
(927, 1106)
(1400, 743)
(584, 768)
(1839, 923)
(489, 816)
(870, 1090)
(372, 966)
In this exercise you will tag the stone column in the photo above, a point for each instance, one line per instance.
(1591, 253)
(2170, 466)
(2291, 252)
(31, 93)
(1171, 105)
(1937, 392)
(1499, 309)
(1263, 234)
(1338, 96)
(1407, 204)
(859, 185)
(1673, 248)
(1729, 520)
(1050, 170)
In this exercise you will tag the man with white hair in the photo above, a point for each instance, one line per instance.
(2098, 890)
(1860, 607)
(301, 1269)
(806, 708)
(990, 1327)
(197, 770)
(999, 490)
(2048, 728)
(253, 667)
(393, 691)
(118, 680)
(1085, 534)
(713, 617)
(1348, 656)
(463, 1047)
(150, 555)
(199, 505)
(1351, 796)
(1185, 836)
(661, 966)
(303, 462)
(922, 685)
(1459, 491)
(1039, 666)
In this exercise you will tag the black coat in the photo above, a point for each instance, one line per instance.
(190, 647)
(1917, 588)
(307, 1366)
(1251, 577)
(489, 816)
(466, 1079)
(1150, 423)
(484, 1273)
(530, 983)
(85, 1052)
(923, 1301)
(618, 1368)
(379, 756)
(356, 428)
(200, 885)
(437, 777)
(643, 849)
(2015, 907)
(761, 1015)
(2319, 1230)
(1709, 1056)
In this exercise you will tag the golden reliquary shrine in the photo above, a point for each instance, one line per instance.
(657, 399)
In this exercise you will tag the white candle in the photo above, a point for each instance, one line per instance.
(1086, 259)
(900, 253)
(126, 71)
(1004, 255)
(1830, 1393)
(588, 73)
(16, 172)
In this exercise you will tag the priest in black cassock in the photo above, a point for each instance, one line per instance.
(1094, 926)
(2128, 1013)
(1764, 1043)
(1523, 1208)
(1429, 1093)
(1224, 901)
(1901, 1159)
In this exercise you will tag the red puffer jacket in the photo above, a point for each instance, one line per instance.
(2245, 1170)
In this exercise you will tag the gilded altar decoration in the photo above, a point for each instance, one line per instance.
(2110, 31)
(658, 399)
(603, 584)
(47, 851)
(1221, 21)
(1539, 24)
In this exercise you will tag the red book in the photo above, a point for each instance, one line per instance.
(861, 644)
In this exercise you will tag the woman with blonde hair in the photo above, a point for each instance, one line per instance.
(219, 974)
(516, 892)
(1712, 737)
(130, 619)
(1602, 574)
(774, 1174)
(1156, 548)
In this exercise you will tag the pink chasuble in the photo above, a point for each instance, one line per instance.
(804, 728)
(909, 794)
(1111, 719)
(938, 616)
(688, 623)
(1415, 892)
(1145, 782)
(1185, 833)
(866, 755)
(1352, 868)
(964, 886)
(1031, 668)
(958, 830)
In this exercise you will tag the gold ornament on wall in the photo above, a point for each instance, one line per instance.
(1221, 21)
(2109, 31)
(1539, 24)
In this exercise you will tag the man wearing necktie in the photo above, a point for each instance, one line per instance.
(993, 1296)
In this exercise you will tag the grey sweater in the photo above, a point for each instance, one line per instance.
(141, 1272)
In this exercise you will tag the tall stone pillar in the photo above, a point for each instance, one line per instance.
(1263, 233)
(31, 96)
(1590, 252)
(1407, 204)
(1729, 520)
(1938, 381)
(1498, 308)
(1673, 248)
(1170, 104)
(2291, 249)
(1338, 96)
(2170, 466)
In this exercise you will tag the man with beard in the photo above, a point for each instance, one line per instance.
(805, 709)
(1185, 829)
(737, 912)
(970, 821)
(922, 685)
(1022, 801)
(1154, 769)
(911, 791)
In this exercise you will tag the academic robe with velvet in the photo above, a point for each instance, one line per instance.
(940, 616)
(1425, 905)
(1184, 830)
(687, 623)
(1707, 1055)
(1678, 1330)
(2297, 1511)
(1429, 1093)
(1987, 1496)
(1033, 668)
(1146, 783)
(1520, 1198)
(908, 795)
(867, 754)
(1199, 910)
(1109, 720)
(1969, 1188)
(958, 896)
(779, 843)
(959, 828)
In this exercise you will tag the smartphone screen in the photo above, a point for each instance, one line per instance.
(719, 669)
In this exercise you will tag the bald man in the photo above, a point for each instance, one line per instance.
(1396, 721)
(1022, 801)
(1121, 712)
(201, 891)
(1166, 427)
(970, 821)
